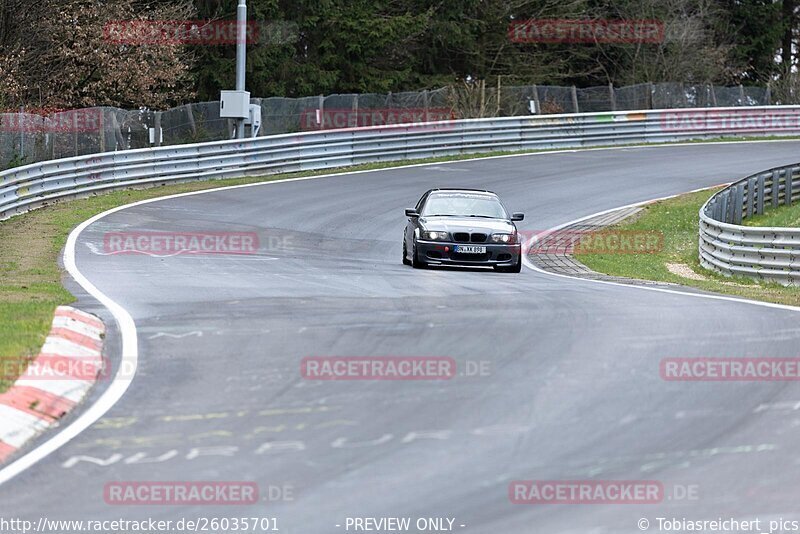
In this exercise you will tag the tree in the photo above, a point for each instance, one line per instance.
(67, 61)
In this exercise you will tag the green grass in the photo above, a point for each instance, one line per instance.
(782, 216)
(30, 279)
(677, 219)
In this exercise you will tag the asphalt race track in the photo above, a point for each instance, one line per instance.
(569, 388)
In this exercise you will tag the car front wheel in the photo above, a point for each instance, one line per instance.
(512, 269)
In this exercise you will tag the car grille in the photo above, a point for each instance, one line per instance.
(464, 237)
(478, 238)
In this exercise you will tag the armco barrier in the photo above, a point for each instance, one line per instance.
(36, 185)
(757, 252)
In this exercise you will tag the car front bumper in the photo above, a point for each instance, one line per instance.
(437, 252)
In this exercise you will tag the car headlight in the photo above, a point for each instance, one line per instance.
(435, 235)
(504, 238)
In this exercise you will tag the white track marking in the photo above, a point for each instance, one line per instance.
(130, 350)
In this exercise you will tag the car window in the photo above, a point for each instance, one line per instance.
(464, 205)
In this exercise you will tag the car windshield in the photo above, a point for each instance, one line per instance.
(464, 205)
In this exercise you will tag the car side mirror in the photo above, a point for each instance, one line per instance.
(517, 216)
(411, 213)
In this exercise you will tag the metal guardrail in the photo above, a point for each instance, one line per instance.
(38, 184)
(758, 252)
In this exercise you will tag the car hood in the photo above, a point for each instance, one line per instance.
(466, 224)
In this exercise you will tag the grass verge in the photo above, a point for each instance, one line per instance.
(677, 219)
(782, 216)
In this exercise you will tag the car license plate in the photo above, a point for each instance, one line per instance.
(469, 249)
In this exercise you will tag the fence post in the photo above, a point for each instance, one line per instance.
(713, 95)
(536, 99)
(321, 107)
(768, 94)
(157, 128)
(650, 91)
(190, 115)
(497, 96)
(102, 130)
(355, 110)
(483, 97)
(611, 97)
(20, 121)
(575, 99)
(741, 95)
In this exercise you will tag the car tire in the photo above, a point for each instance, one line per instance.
(415, 262)
(405, 253)
(513, 269)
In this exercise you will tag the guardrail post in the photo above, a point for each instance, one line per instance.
(761, 190)
(738, 201)
(788, 189)
(751, 192)
(724, 206)
(776, 187)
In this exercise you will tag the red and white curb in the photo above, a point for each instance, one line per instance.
(55, 381)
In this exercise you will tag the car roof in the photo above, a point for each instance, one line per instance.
(460, 190)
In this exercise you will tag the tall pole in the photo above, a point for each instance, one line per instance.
(241, 56)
